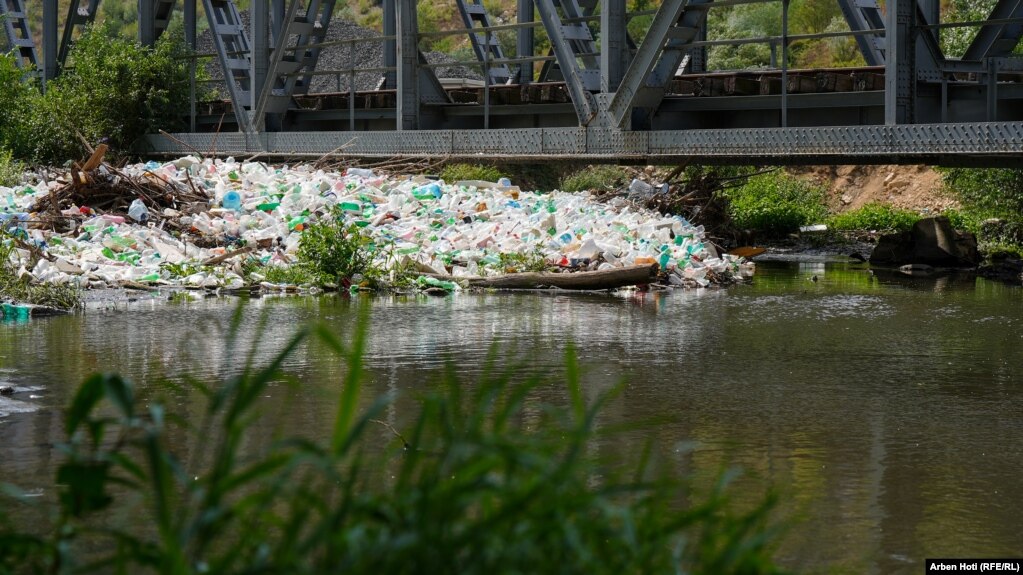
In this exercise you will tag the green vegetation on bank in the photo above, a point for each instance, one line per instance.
(601, 178)
(452, 173)
(775, 203)
(114, 90)
(874, 217)
(477, 477)
(992, 205)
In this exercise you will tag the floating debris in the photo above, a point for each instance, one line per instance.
(195, 222)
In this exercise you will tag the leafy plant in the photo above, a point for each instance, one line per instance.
(776, 203)
(334, 250)
(455, 172)
(875, 217)
(962, 220)
(524, 262)
(471, 485)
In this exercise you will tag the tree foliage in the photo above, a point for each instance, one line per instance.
(112, 90)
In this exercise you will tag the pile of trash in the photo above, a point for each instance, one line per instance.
(195, 222)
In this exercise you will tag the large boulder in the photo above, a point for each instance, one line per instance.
(932, 241)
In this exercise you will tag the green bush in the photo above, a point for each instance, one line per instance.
(596, 178)
(962, 220)
(776, 203)
(479, 482)
(987, 192)
(17, 101)
(986, 195)
(333, 250)
(113, 90)
(455, 172)
(875, 217)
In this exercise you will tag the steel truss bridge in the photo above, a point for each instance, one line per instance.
(597, 95)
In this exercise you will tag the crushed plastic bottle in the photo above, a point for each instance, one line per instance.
(138, 211)
(359, 173)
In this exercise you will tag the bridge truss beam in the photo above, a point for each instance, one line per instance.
(602, 100)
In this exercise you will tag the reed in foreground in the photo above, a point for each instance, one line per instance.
(474, 485)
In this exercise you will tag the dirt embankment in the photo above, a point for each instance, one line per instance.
(916, 188)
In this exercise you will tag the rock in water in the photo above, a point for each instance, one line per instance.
(932, 241)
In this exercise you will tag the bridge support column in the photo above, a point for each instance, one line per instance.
(390, 51)
(900, 62)
(147, 22)
(525, 45)
(190, 25)
(259, 30)
(613, 47)
(49, 41)
(408, 66)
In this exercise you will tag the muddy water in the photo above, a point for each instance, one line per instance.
(884, 409)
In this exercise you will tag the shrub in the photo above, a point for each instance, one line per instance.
(776, 203)
(596, 178)
(333, 250)
(455, 172)
(113, 90)
(875, 217)
(962, 220)
(17, 101)
(481, 481)
(988, 192)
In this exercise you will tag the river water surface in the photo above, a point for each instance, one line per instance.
(886, 410)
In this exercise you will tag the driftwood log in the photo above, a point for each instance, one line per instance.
(597, 280)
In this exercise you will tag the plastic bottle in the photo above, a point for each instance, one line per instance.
(359, 172)
(504, 182)
(232, 200)
(138, 211)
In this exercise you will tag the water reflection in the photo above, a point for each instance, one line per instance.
(883, 407)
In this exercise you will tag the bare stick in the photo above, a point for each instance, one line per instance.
(197, 152)
(224, 257)
(390, 427)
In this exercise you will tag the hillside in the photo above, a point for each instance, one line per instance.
(916, 188)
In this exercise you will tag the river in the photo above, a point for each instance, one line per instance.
(884, 409)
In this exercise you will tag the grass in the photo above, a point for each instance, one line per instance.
(483, 480)
(288, 275)
(452, 173)
(11, 170)
(601, 178)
